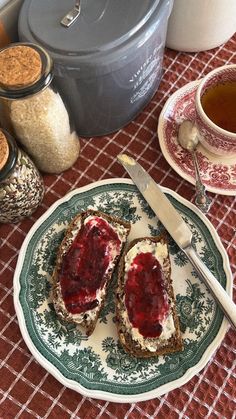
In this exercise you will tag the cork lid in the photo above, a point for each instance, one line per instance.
(20, 66)
(4, 150)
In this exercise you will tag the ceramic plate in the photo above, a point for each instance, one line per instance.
(98, 367)
(218, 173)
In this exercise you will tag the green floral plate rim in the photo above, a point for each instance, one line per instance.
(98, 367)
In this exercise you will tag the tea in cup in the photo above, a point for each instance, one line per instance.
(215, 103)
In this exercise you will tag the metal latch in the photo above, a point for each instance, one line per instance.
(71, 16)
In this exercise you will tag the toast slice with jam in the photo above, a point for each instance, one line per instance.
(146, 315)
(85, 263)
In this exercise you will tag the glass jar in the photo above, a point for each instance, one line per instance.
(33, 110)
(21, 185)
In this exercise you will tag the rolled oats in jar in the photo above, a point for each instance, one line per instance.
(33, 110)
(21, 185)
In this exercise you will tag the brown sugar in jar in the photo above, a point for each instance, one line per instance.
(33, 109)
(21, 185)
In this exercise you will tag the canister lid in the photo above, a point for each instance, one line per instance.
(103, 26)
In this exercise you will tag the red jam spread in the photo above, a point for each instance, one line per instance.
(145, 296)
(85, 264)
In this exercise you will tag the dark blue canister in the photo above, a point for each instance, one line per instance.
(108, 63)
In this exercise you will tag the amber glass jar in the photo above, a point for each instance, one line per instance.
(21, 185)
(33, 110)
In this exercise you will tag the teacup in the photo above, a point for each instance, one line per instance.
(215, 103)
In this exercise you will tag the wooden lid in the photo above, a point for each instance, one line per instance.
(4, 150)
(20, 66)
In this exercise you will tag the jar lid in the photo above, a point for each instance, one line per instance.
(4, 150)
(20, 66)
(8, 154)
(25, 69)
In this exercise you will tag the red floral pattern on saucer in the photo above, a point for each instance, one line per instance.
(218, 172)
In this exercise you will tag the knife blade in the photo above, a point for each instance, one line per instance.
(178, 229)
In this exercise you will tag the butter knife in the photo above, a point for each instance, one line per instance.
(178, 229)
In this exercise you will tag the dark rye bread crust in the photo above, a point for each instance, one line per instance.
(87, 323)
(174, 343)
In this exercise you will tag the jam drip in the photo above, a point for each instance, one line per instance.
(145, 296)
(85, 264)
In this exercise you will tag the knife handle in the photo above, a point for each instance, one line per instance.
(221, 296)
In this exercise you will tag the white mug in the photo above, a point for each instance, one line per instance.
(199, 25)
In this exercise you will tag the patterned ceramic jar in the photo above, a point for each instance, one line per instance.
(217, 133)
(21, 185)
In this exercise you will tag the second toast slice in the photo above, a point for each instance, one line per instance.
(147, 320)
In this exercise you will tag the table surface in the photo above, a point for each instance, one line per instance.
(29, 391)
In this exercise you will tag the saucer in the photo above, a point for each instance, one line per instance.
(218, 172)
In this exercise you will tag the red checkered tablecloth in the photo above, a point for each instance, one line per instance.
(29, 391)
